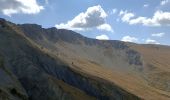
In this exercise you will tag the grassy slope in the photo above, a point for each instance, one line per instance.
(132, 83)
(157, 66)
(129, 82)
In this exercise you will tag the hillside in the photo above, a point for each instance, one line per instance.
(49, 64)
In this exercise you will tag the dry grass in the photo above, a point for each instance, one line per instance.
(126, 80)
(158, 57)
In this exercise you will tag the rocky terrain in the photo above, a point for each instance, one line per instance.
(58, 64)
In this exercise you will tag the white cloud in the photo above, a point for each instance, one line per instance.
(121, 12)
(158, 34)
(9, 7)
(146, 5)
(164, 2)
(129, 39)
(151, 41)
(126, 16)
(67, 26)
(113, 11)
(105, 27)
(102, 37)
(138, 20)
(159, 18)
(92, 18)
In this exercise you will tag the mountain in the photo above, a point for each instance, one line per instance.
(56, 64)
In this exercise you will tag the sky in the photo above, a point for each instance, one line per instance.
(139, 21)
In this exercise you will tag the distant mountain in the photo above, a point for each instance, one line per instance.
(58, 64)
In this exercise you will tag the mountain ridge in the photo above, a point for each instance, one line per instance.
(122, 66)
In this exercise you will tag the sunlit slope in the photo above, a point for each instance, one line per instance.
(157, 65)
(136, 68)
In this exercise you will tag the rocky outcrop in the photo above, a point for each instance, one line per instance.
(134, 57)
(10, 87)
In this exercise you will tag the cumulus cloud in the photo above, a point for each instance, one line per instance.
(105, 27)
(9, 7)
(151, 41)
(164, 2)
(129, 39)
(126, 16)
(159, 18)
(158, 34)
(102, 37)
(68, 26)
(94, 16)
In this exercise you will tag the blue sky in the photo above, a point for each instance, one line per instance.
(140, 21)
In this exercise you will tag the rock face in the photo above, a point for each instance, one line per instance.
(10, 87)
(54, 64)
